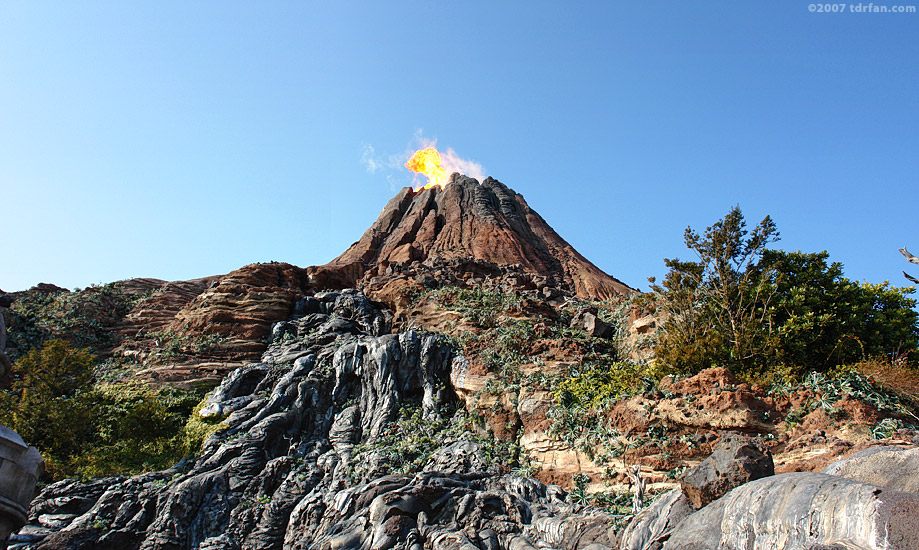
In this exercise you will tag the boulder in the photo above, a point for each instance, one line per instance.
(803, 510)
(593, 325)
(891, 467)
(652, 526)
(735, 460)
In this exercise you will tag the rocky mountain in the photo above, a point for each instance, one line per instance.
(468, 220)
(347, 435)
(454, 380)
(468, 234)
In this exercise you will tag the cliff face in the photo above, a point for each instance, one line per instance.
(304, 458)
(466, 220)
(410, 413)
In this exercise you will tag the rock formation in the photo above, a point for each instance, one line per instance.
(318, 381)
(468, 234)
(803, 510)
(468, 220)
(736, 460)
(294, 465)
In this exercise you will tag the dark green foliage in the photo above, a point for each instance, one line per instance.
(50, 403)
(752, 309)
(137, 429)
(85, 318)
(717, 306)
(821, 319)
(88, 430)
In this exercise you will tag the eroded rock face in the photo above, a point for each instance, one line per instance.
(468, 220)
(803, 510)
(651, 527)
(735, 461)
(285, 472)
(891, 467)
(234, 312)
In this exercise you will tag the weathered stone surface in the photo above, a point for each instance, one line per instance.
(243, 304)
(652, 526)
(469, 220)
(890, 467)
(5, 363)
(283, 472)
(20, 467)
(593, 325)
(233, 312)
(803, 511)
(736, 460)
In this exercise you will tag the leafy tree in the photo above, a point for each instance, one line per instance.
(716, 307)
(91, 430)
(49, 404)
(813, 311)
(750, 308)
(821, 319)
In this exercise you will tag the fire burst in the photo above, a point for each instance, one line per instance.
(427, 161)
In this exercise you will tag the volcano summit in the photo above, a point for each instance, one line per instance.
(466, 220)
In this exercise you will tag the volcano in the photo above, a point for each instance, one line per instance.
(466, 220)
(465, 234)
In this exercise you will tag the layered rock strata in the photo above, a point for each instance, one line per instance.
(468, 220)
(280, 474)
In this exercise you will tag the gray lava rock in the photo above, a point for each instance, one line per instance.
(462, 456)
(803, 511)
(652, 526)
(891, 467)
(283, 472)
(735, 460)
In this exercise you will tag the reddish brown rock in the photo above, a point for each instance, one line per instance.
(244, 303)
(468, 220)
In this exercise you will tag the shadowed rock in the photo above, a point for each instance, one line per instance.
(283, 472)
(802, 511)
(735, 461)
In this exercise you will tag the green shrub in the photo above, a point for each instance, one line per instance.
(821, 319)
(86, 318)
(752, 309)
(89, 430)
(50, 403)
(137, 429)
(596, 385)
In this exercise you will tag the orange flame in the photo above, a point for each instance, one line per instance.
(427, 161)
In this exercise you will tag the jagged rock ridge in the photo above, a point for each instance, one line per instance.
(469, 220)
(281, 472)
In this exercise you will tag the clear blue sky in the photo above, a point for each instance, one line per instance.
(183, 139)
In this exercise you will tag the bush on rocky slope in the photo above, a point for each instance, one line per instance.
(86, 318)
(751, 309)
(91, 430)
